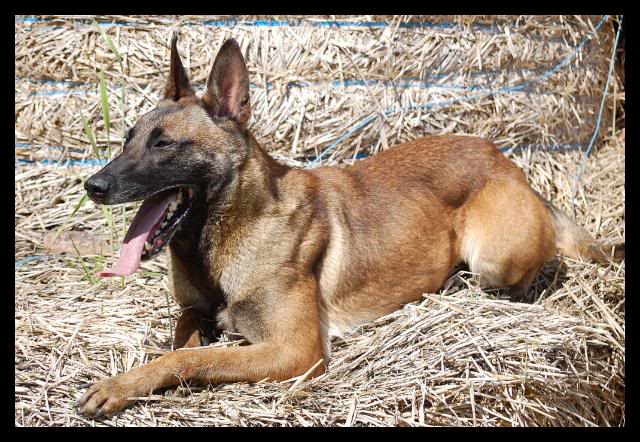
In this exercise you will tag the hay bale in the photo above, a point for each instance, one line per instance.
(458, 357)
(313, 83)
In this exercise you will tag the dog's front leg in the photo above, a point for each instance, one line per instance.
(250, 364)
(291, 346)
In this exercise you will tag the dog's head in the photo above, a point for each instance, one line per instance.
(185, 141)
(185, 148)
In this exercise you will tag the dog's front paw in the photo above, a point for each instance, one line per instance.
(106, 397)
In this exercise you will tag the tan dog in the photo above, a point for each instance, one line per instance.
(288, 257)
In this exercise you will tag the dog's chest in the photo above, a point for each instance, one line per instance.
(237, 269)
(246, 267)
(243, 259)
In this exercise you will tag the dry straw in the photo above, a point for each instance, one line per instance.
(458, 357)
(298, 72)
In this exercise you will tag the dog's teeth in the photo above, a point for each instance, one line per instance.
(169, 214)
(147, 246)
(173, 206)
(158, 232)
(163, 225)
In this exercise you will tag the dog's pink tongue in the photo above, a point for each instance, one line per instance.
(148, 217)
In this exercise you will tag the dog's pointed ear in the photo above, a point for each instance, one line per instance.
(178, 85)
(228, 84)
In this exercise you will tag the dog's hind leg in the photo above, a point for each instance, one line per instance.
(518, 291)
(193, 330)
(507, 236)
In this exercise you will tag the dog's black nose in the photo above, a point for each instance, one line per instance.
(97, 187)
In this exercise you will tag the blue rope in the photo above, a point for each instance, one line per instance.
(63, 92)
(485, 73)
(487, 93)
(409, 82)
(598, 123)
(360, 155)
(231, 23)
(404, 83)
(65, 163)
(28, 259)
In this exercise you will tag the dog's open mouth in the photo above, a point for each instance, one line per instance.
(151, 230)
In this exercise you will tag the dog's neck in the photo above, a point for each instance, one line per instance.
(252, 188)
(245, 194)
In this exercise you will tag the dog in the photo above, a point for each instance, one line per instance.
(288, 257)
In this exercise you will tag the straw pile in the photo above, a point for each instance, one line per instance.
(462, 356)
(299, 98)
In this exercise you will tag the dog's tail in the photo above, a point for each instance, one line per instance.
(575, 242)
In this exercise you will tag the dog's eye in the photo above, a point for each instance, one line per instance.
(162, 143)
